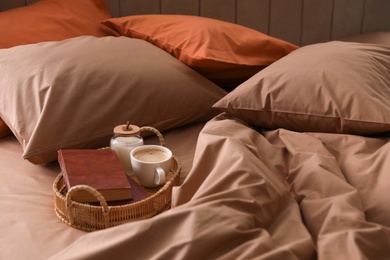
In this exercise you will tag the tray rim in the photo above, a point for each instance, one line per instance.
(69, 215)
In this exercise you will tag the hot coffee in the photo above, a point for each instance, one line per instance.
(151, 155)
(151, 164)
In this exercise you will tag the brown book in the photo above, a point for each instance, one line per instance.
(138, 192)
(99, 169)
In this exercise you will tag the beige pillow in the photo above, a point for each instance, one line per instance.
(72, 93)
(372, 37)
(338, 87)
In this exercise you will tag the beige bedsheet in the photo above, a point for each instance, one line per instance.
(249, 195)
(28, 224)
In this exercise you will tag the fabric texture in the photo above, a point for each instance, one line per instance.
(72, 93)
(337, 87)
(27, 197)
(53, 20)
(224, 52)
(271, 195)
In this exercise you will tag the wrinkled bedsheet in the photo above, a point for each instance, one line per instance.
(257, 194)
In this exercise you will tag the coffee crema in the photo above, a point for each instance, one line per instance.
(151, 155)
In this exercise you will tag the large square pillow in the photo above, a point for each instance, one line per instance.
(49, 20)
(224, 52)
(336, 87)
(72, 93)
(53, 20)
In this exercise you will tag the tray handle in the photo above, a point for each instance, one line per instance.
(154, 130)
(69, 202)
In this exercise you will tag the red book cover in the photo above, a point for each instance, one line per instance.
(99, 169)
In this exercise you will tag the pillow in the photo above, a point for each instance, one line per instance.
(224, 52)
(372, 37)
(53, 20)
(336, 87)
(72, 93)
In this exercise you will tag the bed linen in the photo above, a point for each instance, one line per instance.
(274, 194)
(260, 193)
(247, 192)
(30, 228)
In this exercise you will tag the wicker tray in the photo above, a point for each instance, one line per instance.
(88, 217)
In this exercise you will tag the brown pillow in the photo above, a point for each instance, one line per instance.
(372, 37)
(338, 87)
(224, 52)
(53, 20)
(72, 93)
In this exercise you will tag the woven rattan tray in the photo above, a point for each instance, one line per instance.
(88, 217)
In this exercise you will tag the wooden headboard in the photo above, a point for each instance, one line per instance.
(298, 21)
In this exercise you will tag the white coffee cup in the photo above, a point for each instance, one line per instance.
(151, 164)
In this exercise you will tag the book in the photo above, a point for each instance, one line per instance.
(99, 169)
(138, 192)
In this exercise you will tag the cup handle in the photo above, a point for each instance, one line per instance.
(159, 176)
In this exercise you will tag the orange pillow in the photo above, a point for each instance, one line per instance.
(4, 130)
(53, 20)
(224, 52)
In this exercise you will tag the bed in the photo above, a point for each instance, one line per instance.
(277, 110)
